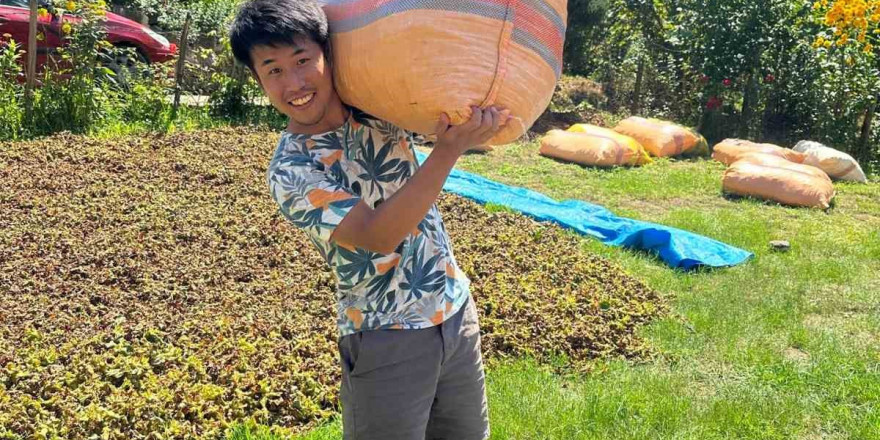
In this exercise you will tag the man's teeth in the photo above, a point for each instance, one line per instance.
(304, 100)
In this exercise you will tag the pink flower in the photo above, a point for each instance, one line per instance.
(714, 103)
(769, 78)
(727, 82)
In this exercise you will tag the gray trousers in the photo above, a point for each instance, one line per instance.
(415, 384)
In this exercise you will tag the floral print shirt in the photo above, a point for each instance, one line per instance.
(317, 179)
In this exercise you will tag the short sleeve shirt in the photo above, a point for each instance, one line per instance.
(317, 179)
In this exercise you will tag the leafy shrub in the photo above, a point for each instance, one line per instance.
(11, 91)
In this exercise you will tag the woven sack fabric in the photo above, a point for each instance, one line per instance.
(663, 138)
(729, 151)
(408, 61)
(836, 163)
(771, 177)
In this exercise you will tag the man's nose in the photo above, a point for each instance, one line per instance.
(295, 81)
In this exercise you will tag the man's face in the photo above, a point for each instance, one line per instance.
(298, 81)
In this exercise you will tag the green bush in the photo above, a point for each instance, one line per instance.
(80, 93)
(11, 92)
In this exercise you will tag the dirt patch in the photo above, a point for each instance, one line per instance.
(796, 355)
(149, 285)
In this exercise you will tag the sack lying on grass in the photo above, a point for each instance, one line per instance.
(409, 61)
(770, 177)
(663, 138)
(593, 146)
(837, 164)
(729, 151)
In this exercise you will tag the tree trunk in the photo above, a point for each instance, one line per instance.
(636, 105)
(610, 90)
(181, 62)
(864, 153)
(748, 109)
(750, 97)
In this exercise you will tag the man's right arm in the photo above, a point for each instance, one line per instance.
(384, 228)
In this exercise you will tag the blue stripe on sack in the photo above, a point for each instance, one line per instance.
(527, 40)
(488, 10)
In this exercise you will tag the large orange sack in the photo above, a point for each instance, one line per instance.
(770, 177)
(729, 151)
(663, 138)
(593, 146)
(408, 61)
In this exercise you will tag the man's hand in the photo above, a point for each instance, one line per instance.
(482, 126)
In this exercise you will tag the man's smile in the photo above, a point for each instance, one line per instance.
(302, 101)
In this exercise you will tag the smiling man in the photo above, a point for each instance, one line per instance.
(409, 339)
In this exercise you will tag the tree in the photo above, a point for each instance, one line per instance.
(851, 34)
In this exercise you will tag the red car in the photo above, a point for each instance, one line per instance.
(121, 32)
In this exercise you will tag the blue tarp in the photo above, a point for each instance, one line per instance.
(677, 248)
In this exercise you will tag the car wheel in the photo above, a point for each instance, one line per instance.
(127, 63)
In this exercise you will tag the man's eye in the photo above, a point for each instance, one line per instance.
(302, 61)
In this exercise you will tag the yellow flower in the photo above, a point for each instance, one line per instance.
(66, 28)
(42, 13)
(71, 5)
(827, 44)
(850, 61)
(869, 48)
(41, 36)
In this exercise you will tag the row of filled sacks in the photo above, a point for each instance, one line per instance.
(630, 143)
(797, 177)
(836, 164)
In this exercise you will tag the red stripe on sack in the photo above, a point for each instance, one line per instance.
(539, 27)
(344, 11)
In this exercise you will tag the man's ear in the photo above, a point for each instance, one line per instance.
(328, 54)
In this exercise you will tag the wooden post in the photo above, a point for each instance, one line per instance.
(181, 62)
(31, 61)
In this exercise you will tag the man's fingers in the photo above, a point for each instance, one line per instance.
(476, 118)
(442, 124)
(488, 121)
(496, 119)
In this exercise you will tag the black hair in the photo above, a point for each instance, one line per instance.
(277, 23)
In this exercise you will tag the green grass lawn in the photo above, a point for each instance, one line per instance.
(786, 346)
